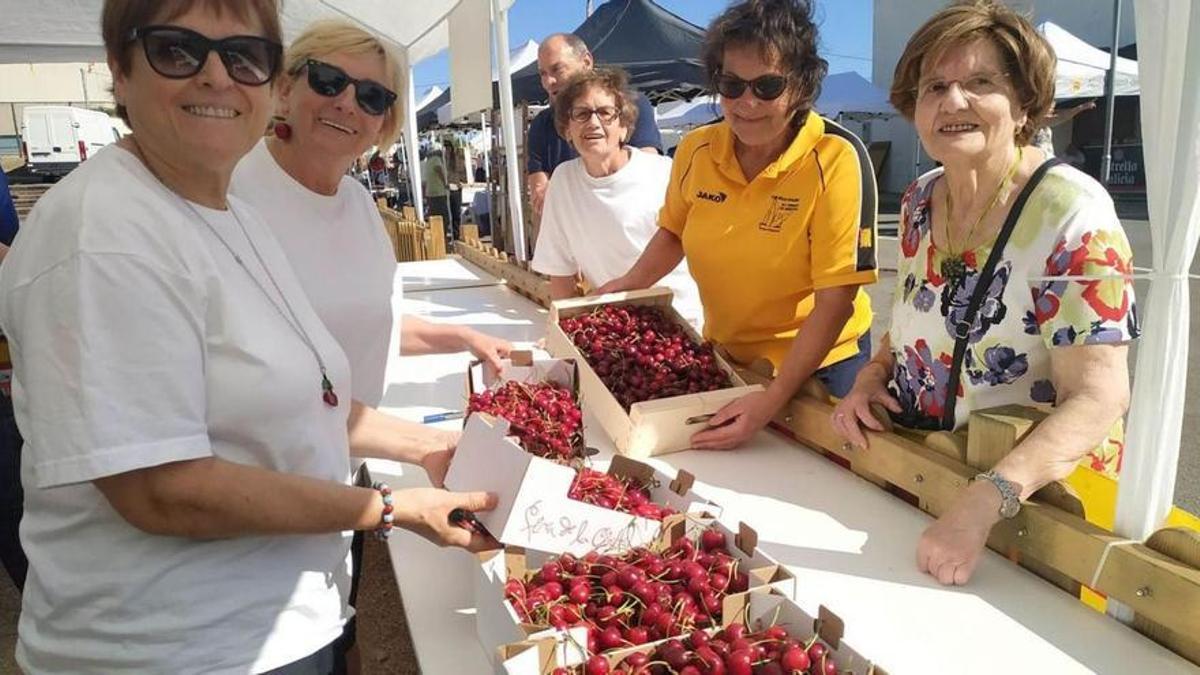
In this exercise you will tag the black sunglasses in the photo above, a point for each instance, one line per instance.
(329, 80)
(765, 87)
(178, 53)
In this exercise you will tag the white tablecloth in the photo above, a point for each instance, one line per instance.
(850, 545)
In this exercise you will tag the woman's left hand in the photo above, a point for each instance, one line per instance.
(735, 423)
(490, 350)
(950, 548)
(437, 462)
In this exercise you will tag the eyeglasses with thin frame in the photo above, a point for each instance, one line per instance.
(764, 87)
(974, 87)
(607, 114)
(328, 80)
(178, 53)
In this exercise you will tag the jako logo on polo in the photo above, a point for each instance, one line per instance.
(718, 198)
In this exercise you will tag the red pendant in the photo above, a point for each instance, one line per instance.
(327, 394)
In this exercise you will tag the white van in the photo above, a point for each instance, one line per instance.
(57, 138)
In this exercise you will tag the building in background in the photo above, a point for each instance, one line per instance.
(896, 20)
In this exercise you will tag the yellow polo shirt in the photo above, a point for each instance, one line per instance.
(759, 249)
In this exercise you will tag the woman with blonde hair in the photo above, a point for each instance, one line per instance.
(336, 99)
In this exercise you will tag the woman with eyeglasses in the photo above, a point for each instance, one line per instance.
(336, 99)
(600, 209)
(1014, 283)
(774, 209)
(187, 416)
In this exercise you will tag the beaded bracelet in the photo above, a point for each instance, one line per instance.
(385, 524)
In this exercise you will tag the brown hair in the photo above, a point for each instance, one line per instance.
(608, 79)
(1028, 57)
(120, 17)
(783, 31)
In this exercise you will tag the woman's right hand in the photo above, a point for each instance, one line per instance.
(426, 511)
(855, 409)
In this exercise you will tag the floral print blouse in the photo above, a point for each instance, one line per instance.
(1063, 280)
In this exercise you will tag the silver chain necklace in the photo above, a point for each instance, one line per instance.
(327, 393)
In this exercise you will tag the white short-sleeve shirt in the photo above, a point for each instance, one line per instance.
(137, 340)
(342, 256)
(598, 227)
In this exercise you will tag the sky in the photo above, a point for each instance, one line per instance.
(845, 29)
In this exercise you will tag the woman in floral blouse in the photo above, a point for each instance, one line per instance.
(1052, 327)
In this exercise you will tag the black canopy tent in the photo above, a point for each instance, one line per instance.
(660, 51)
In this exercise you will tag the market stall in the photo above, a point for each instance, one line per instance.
(849, 544)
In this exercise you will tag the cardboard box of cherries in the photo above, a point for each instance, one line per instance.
(645, 373)
(523, 441)
(536, 612)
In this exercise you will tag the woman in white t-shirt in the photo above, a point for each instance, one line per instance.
(601, 208)
(187, 416)
(336, 99)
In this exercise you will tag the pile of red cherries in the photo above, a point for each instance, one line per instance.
(641, 354)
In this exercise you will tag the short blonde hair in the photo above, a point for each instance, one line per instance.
(333, 36)
(1028, 57)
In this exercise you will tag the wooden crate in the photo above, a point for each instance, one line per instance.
(649, 428)
(495, 262)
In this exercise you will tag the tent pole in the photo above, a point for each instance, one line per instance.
(487, 142)
(1110, 95)
(508, 124)
(411, 144)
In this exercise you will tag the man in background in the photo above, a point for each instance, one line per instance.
(437, 189)
(560, 57)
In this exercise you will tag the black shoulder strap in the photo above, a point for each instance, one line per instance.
(962, 329)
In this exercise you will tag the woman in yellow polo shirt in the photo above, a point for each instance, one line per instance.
(774, 208)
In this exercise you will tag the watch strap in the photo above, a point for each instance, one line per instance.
(1010, 498)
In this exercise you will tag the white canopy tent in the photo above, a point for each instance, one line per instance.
(1082, 67)
(1168, 34)
(50, 31)
(517, 58)
(430, 94)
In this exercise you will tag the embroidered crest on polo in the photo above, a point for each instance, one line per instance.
(778, 212)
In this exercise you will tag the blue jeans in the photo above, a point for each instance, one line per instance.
(838, 377)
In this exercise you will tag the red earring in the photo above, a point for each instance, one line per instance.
(283, 130)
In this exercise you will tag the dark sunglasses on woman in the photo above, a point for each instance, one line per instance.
(178, 53)
(329, 80)
(764, 88)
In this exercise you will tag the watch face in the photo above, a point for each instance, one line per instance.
(1009, 508)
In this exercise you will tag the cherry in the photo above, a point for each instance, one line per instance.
(795, 659)
(596, 665)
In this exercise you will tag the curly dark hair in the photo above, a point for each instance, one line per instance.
(784, 32)
(610, 79)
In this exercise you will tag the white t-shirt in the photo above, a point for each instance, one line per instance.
(599, 226)
(137, 340)
(342, 256)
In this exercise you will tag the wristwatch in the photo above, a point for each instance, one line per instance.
(1010, 495)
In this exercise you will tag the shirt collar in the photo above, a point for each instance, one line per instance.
(805, 140)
